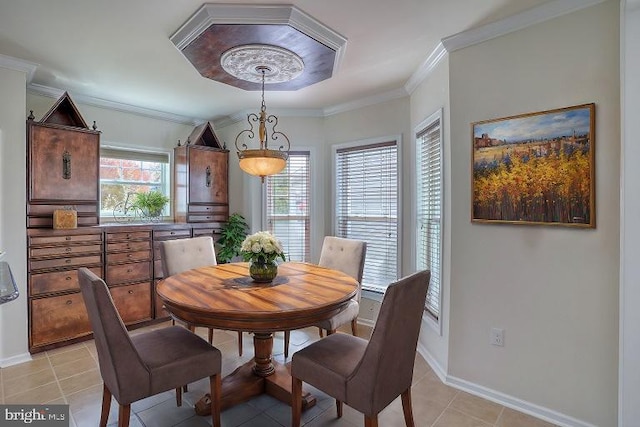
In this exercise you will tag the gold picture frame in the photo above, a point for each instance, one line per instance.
(535, 168)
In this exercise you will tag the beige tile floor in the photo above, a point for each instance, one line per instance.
(70, 375)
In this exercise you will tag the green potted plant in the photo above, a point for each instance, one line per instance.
(232, 235)
(150, 204)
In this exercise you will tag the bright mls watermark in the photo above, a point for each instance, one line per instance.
(34, 415)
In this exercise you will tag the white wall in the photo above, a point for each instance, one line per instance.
(553, 289)
(427, 98)
(13, 315)
(629, 405)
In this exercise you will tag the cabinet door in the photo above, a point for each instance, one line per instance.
(208, 176)
(58, 319)
(63, 164)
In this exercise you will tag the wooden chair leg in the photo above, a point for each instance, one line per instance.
(215, 382)
(354, 327)
(320, 332)
(339, 408)
(406, 407)
(210, 336)
(191, 328)
(178, 396)
(123, 415)
(106, 404)
(287, 335)
(371, 421)
(240, 343)
(185, 388)
(296, 401)
(331, 332)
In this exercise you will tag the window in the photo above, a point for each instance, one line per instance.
(288, 196)
(429, 207)
(123, 172)
(367, 207)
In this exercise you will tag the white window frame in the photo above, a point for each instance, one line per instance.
(166, 176)
(334, 188)
(265, 219)
(434, 322)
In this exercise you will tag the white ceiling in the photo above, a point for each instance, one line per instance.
(119, 50)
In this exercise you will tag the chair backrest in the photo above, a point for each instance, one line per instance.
(386, 368)
(122, 370)
(185, 254)
(346, 255)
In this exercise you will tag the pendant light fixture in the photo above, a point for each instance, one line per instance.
(262, 161)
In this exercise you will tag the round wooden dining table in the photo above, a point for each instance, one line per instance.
(225, 297)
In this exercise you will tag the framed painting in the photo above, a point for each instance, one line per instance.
(536, 168)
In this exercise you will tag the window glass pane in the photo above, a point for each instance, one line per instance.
(429, 210)
(288, 197)
(367, 207)
(124, 173)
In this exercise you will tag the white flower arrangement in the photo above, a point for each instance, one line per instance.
(262, 247)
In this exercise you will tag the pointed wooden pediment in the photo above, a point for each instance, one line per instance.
(204, 135)
(64, 112)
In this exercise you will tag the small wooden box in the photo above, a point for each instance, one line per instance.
(64, 219)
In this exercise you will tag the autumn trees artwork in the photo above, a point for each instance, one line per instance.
(535, 168)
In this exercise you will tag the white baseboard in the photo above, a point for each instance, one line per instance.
(14, 360)
(503, 399)
(366, 322)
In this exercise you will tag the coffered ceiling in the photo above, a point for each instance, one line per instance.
(121, 50)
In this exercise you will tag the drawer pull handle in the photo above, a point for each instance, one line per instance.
(66, 165)
(68, 249)
(67, 278)
(209, 207)
(69, 302)
(208, 176)
(217, 193)
(130, 292)
(67, 238)
(173, 232)
(129, 255)
(129, 270)
(68, 261)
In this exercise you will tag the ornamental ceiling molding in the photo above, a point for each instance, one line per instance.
(16, 64)
(210, 14)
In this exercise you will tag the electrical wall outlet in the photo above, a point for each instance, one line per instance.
(496, 337)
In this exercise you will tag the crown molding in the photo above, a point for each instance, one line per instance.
(515, 22)
(425, 69)
(365, 102)
(15, 64)
(55, 93)
(211, 13)
(241, 116)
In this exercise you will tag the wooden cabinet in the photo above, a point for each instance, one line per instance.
(128, 271)
(56, 309)
(63, 166)
(201, 172)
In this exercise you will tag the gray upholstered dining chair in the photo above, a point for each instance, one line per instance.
(135, 367)
(346, 255)
(368, 375)
(186, 254)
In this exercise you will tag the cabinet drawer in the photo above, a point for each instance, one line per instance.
(56, 319)
(124, 273)
(133, 302)
(128, 246)
(121, 257)
(206, 218)
(53, 240)
(133, 235)
(63, 251)
(65, 262)
(56, 281)
(213, 232)
(205, 209)
(171, 234)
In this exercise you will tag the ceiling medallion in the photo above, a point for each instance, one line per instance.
(255, 62)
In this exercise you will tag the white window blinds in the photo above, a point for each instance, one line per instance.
(288, 196)
(429, 210)
(367, 207)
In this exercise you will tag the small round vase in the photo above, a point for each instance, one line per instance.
(263, 272)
